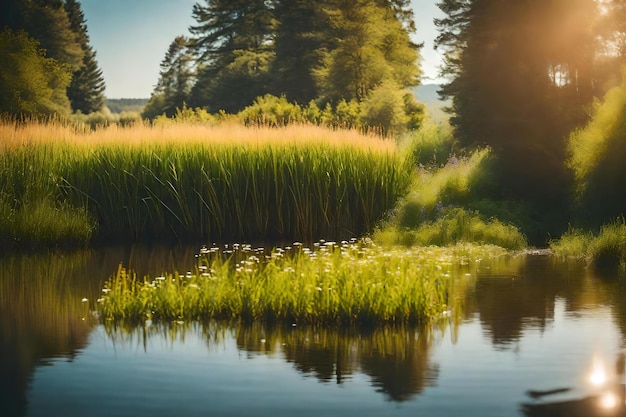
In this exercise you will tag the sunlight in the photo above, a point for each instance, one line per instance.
(608, 400)
(598, 376)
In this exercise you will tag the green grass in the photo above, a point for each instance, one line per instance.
(190, 182)
(606, 250)
(428, 215)
(354, 283)
(455, 226)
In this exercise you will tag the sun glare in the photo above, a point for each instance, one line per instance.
(598, 376)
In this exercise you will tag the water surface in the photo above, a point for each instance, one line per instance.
(530, 325)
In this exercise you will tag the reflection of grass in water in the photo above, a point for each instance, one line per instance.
(41, 316)
(41, 295)
(357, 283)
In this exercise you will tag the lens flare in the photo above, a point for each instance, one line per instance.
(598, 376)
(608, 400)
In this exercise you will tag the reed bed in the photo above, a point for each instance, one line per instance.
(191, 182)
(347, 283)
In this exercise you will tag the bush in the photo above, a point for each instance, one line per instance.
(383, 109)
(270, 110)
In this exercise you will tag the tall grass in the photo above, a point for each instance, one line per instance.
(189, 182)
(605, 250)
(347, 283)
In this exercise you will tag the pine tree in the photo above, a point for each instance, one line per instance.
(520, 79)
(86, 91)
(232, 41)
(175, 80)
(300, 37)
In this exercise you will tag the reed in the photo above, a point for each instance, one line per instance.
(193, 182)
(346, 283)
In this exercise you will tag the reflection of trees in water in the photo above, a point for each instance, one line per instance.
(522, 296)
(41, 313)
(396, 359)
(41, 317)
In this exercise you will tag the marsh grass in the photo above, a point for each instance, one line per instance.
(197, 182)
(605, 251)
(345, 283)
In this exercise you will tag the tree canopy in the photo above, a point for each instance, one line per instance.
(60, 30)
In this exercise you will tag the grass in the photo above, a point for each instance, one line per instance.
(605, 250)
(355, 283)
(427, 216)
(194, 182)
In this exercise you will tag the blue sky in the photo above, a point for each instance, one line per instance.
(131, 36)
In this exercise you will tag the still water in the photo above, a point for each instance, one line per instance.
(535, 337)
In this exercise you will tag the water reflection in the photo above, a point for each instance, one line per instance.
(41, 316)
(41, 322)
(521, 295)
(608, 396)
(397, 360)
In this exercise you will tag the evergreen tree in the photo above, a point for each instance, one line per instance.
(175, 80)
(300, 37)
(86, 91)
(232, 41)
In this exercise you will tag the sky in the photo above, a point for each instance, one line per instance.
(131, 37)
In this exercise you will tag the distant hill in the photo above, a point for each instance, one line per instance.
(428, 95)
(119, 105)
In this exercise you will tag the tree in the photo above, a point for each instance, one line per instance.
(519, 74)
(86, 91)
(520, 81)
(48, 22)
(298, 43)
(175, 80)
(30, 83)
(232, 41)
(370, 46)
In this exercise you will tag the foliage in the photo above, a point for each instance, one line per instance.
(46, 21)
(429, 146)
(372, 47)
(270, 110)
(519, 96)
(30, 83)
(596, 154)
(335, 52)
(384, 109)
(353, 283)
(298, 43)
(231, 40)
